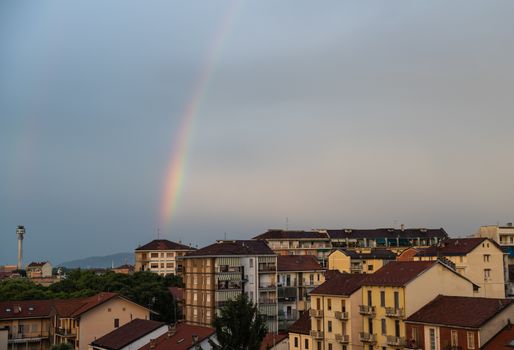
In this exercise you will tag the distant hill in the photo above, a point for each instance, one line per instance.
(100, 261)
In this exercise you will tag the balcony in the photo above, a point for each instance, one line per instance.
(228, 269)
(267, 301)
(396, 341)
(394, 312)
(356, 269)
(367, 337)
(343, 338)
(267, 287)
(66, 333)
(315, 313)
(341, 315)
(27, 337)
(367, 310)
(267, 268)
(317, 334)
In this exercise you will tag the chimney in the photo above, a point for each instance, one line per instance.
(171, 330)
(195, 339)
(152, 343)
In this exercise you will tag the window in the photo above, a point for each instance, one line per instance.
(109, 310)
(487, 257)
(306, 343)
(116, 322)
(319, 345)
(195, 312)
(370, 267)
(382, 298)
(370, 299)
(383, 323)
(329, 346)
(396, 300)
(318, 303)
(195, 279)
(414, 334)
(311, 279)
(251, 263)
(170, 255)
(329, 304)
(431, 332)
(195, 296)
(208, 298)
(295, 342)
(162, 265)
(471, 340)
(154, 255)
(455, 338)
(329, 326)
(487, 274)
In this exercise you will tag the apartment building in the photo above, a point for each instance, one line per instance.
(222, 271)
(284, 242)
(399, 289)
(481, 260)
(360, 261)
(300, 333)
(39, 269)
(161, 256)
(29, 324)
(501, 234)
(131, 336)
(82, 320)
(453, 322)
(335, 319)
(184, 337)
(297, 275)
(395, 239)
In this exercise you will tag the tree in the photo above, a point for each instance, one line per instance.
(240, 326)
(62, 346)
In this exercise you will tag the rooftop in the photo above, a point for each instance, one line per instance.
(37, 263)
(387, 233)
(127, 334)
(398, 273)
(164, 244)
(70, 308)
(385, 254)
(503, 340)
(341, 284)
(272, 339)
(302, 325)
(469, 312)
(297, 263)
(242, 247)
(25, 309)
(455, 247)
(182, 339)
(286, 234)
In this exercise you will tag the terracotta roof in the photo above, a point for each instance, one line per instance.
(125, 266)
(177, 292)
(455, 246)
(127, 334)
(503, 340)
(302, 325)
(272, 339)
(164, 244)
(286, 234)
(25, 309)
(70, 308)
(470, 312)
(297, 263)
(397, 273)
(387, 233)
(385, 254)
(341, 284)
(222, 248)
(37, 263)
(182, 339)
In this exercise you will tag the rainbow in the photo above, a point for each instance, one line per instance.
(177, 164)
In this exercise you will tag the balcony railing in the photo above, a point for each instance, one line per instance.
(394, 312)
(396, 341)
(317, 334)
(68, 333)
(267, 268)
(343, 338)
(367, 337)
(315, 313)
(268, 286)
(367, 310)
(229, 269)
(267, 301)
(341, 315)
(27, 337)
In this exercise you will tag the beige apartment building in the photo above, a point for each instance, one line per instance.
(40, 269)
(161, 256)
(481, 260)
(297, 276)
(360, 261)
(335, 319)
(222, 271)
(399, 289)
(501, 234)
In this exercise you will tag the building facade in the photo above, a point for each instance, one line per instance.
(359, 261)
(160, 256)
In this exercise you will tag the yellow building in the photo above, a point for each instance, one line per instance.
(299, 333)
(160, 256)
(479, 259)
(359, 261)
(80, 321)
(398, 290)
(335, 319)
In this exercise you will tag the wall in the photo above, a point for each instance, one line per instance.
(496, 324)
(339, 261)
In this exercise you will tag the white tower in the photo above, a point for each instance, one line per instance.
(20, 231)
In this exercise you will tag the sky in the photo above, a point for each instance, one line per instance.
(302, 114)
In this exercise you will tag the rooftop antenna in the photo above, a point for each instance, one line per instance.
(287, 223)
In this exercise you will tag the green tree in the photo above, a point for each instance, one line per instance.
(240, 326)
(62, 346)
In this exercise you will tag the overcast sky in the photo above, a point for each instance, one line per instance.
(331, 114)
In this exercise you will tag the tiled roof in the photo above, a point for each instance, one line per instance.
(182, 339)
(127, 334)
(37, 263)
(177, 292)
(397, 273)
(297, 263)
(75, 307)
(503, 340)
(164, 244)
(385, 254)
(25, 309)
(302, 325)
(387, 233)
(455, 246)
(455, 311)
(340, 284)
(272, 339)
(286, 234)
(222, 248)
(125, 266)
